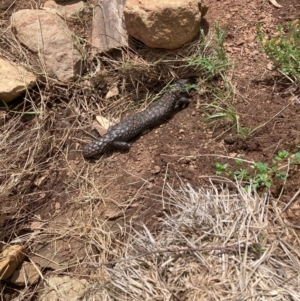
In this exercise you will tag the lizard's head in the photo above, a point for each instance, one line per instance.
(183, 85)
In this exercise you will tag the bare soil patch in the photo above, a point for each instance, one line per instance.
(120, 189)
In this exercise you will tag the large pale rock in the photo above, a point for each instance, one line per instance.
(14, 80)
(64, 288)
(10, 259)
(164, 23)
(46, 34)
(66, 9)
(26, 275)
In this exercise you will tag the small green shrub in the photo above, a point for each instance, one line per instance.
(284, 49)
(211, 60)
(259, 174)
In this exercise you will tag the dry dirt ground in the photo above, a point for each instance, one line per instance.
(121, 186)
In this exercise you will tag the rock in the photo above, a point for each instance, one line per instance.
(26, 275)
(66, 9)
(64, 288)
(46, 263)
(70, 251)
(155, 170)
(46, 34)
(10, 259)
(59, 253)
(14, 80)
(163, 23)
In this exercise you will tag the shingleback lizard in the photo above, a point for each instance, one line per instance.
(118, 135)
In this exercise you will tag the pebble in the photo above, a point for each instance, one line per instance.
(57, 206)
(155, 170)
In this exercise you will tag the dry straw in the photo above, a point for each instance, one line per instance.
(217, 245)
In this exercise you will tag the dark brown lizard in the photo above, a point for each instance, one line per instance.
(118, 135)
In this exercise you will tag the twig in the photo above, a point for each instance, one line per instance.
(162, 251)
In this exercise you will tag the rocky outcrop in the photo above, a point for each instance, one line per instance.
(163, 23)
(46, 34)
(14, 80)
(10, 259)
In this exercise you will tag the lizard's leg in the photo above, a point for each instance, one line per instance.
(95, 133)
(182, 101)
(121, 144)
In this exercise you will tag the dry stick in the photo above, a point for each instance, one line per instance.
(289, 203)
(37, 269)
(163, 188)
(207, 155)
(287, 173)
(162, 251)
(283, 109)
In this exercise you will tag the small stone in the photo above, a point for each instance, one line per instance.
(64, 288)
(57, 206)
(193, 113)
(10, 259)
(66, 10)
(26, 275)
(14, 80)
(150, 186)
(181, 131)
(270, 66)
(230, 140)
(155, 170)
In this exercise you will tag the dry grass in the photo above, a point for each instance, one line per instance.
(217, 245)
(213, 245)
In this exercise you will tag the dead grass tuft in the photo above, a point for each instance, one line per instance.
(217, 245)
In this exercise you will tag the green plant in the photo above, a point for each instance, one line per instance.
(259, 174)
(295, 159)
(224, 110)
(37, 112)
(220, 167)
(283, 154)
(283, 48)
(190, 87)
(210, 59)
(258, 248)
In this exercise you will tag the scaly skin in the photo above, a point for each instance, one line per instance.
(118, 135)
